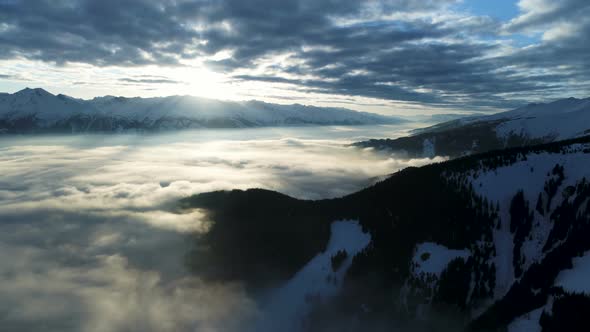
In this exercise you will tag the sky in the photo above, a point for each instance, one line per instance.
(389, 56)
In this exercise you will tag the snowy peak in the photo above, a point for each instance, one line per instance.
(531, 124)
(35, 92)
(559, 107)
(561, 119)
(36, 110)
(28, 95)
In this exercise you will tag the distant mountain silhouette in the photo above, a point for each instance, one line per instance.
(38, 111)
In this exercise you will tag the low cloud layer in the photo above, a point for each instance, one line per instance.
(88, 239)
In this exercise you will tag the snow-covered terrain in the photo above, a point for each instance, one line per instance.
(528, 176)
(538, 203)
(550, 183)
(577, 279)
(528, 322)
(44, 106)
(532, 124)
(562, 119)
(485, 242)
(427, 264)
(432, 258)
(36, 110)
(287, 307)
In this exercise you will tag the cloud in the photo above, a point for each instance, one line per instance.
(149, 80)
(139, 32)
(536, 14)
(426, 52)
(89, 237)
(14, 77)
(106, 294)
(561, 54)
(392, 43)
(106, 32)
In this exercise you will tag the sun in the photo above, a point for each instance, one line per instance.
(197, 81)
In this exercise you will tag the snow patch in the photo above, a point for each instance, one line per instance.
(287, 307)
(577, 279)
(433, 258)
(528, 322)
(428, 263)
(428, 148)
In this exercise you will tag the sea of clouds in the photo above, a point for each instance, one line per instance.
(89, 240)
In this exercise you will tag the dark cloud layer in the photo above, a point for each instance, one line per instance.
(566, 42)
(417, 51)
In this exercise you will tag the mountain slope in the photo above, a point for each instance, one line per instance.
(30, 109)
(36, 110)
(532, 124)
(481, 242)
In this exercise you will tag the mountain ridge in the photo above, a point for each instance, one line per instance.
(38, 111)
(531, 124)
(501, 226)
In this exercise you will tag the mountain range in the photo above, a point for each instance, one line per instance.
(490, 242)
(532, 124)
(494, 239)
(38, 111)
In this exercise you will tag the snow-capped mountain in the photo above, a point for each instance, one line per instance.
(36, 110)
(532, 124)
(562, 119)
(32, 109)
(487, 242)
